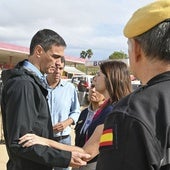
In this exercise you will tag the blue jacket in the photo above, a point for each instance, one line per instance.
(80, 138)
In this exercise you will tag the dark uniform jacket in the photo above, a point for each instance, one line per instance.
(25, 110)
(136, 134)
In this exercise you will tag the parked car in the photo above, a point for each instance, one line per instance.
(87, 80)
(135, 84)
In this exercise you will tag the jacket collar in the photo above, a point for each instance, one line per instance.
(159, 78)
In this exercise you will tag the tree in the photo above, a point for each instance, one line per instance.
(86, 54)
(118, 55)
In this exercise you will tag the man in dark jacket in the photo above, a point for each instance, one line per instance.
(25, 109)
(136, 134)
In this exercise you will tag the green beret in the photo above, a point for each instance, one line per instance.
(147, 17)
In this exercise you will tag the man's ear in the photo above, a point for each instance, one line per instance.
(38, 50)
(137, 50)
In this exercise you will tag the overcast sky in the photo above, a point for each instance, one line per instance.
(84, 24)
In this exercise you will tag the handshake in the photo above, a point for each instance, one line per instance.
(79, 159)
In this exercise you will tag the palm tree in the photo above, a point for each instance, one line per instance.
(86, 54)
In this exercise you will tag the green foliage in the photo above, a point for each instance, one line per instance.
(87, 70)
(118, 55)
(81, 67)
(86, 54)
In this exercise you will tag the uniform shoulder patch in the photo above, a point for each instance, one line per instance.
(106, 138)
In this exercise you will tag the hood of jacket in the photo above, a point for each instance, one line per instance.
(18, 71)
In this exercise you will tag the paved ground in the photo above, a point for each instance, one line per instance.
(3, 153)
(3, 157)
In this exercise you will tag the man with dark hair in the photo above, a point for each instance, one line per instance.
(63, 103)
(25, 108)
(136, 134)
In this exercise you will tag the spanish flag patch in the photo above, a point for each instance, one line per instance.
(106, 138)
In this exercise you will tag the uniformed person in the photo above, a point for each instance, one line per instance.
(136, 134)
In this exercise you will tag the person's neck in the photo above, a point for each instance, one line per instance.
(106, 95)
(33, 60)
(152, 69)
(52, 83)
(96, 105)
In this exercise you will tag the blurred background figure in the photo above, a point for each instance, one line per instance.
(82, 84)
(82, 89)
